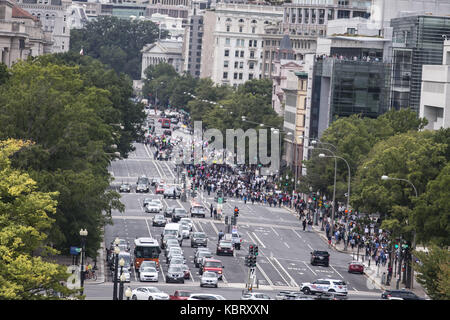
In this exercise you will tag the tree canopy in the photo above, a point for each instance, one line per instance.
(116, 42)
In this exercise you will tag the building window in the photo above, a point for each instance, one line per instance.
(235, 76)
(253, 29)
(240, 28)
(251, 66)
(227, 41)
(250, 76)
(241, 20)
(241, 65)
(252, 54)
(228, 28)
(227, 53)
(225, 64)
(240, 76)
(225, 75)
(236, 54)
(236, 63)
(242, 54)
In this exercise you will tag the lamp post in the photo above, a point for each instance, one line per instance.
(334, 188)
(128, 293)
(83, 235)
(116, 266)
(349, 177)
(413, 244)
(122, 278)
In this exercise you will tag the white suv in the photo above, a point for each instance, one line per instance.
(325, 285)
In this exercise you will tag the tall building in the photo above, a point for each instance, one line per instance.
(234, 34)
(21, 34)
(435, 96)
(416, 41)
(53, 15)
(305, 21)
(172, 8)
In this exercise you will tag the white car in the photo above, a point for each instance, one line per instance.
(255, 296)
(205, 296)
(148, 293)
(185, 231)
(152, 207)
(325, 285)
(188, 221)
(158, 203)
(148, 274)
(146, 201)
(209, 279)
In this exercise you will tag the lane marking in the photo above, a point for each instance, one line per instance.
(336, 271)
(214, 227)
(310, 247)
(310, 268)
(286, 244)
(293, 283)
(297, 234)
(275, 231)
(256, 237)
(148, 228)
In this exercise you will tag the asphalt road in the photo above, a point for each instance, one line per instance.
(284, 248)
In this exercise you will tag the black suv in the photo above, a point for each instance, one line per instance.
(320, 257)
(402, 294)
(199, 239)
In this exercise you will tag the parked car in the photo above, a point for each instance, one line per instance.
(212, 265)
(198, 211)
(159, 221)
(255, 296)
(320, 257)
(209, 279)
(172, 192)
(399, 294)
(148, 274)
(125, 187)
(356, 267)
(148, 293)
(225, 247)
(187, 221)
(325, 285)
(175, 274)
(179, 213)
(199, 239)
(180, 295)
(198, 258)
(205, 296)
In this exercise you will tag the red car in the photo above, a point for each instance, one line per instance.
(213, 266)
(180, 295)
(159, 189)
(355, 267)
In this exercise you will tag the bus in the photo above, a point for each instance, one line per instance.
(165, 124)
(146, 249)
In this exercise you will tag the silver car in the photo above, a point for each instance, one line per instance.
(209, 279)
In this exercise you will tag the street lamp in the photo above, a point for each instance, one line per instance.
(83, 235)
(128, 293)
(116, 266)
(122, 278)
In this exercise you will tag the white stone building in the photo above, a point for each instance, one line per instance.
(173, 25)
(435, 95)
(54, 17)
(162, 51)
(234, 34)
(21, 34)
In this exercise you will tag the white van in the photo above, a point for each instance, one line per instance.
(173, 228)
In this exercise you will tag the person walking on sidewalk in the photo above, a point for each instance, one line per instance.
(310, 223)
(211, 209)
(304, 224)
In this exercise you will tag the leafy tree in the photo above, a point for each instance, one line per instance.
(433, 272)
(116, 42)
(51, 105)
(25, 218)
(4, 74)
(431, 214)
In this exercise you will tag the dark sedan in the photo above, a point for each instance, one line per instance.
(225, 247)
(175, 274)
(159, 221)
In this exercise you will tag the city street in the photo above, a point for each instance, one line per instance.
(284, 248)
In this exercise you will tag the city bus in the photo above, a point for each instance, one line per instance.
(146, 249)
(165, 123)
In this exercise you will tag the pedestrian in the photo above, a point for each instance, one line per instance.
(310, 225)
(304, 224)
(215, 214)
(211, 209)
(221, 234)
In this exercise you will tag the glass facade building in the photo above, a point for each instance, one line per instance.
(417, 41)
(345, 87)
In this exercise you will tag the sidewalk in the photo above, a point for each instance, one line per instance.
(374, 273)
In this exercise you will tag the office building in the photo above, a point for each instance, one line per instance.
(435, 96)
(162, 51)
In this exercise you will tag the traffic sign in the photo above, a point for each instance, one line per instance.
(75, 251)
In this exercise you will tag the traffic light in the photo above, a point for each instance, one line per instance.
(247, 261)
(251, 249)
(252, 261)
(226, 220)
(314, 197)
(255, 251)
(396, 246)
(233, 220)
(236, 212)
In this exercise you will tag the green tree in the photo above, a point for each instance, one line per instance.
(4, 74)
(116, 42)
(25, 219)
(432, 269)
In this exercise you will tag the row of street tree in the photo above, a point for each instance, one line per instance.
(76, 115)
